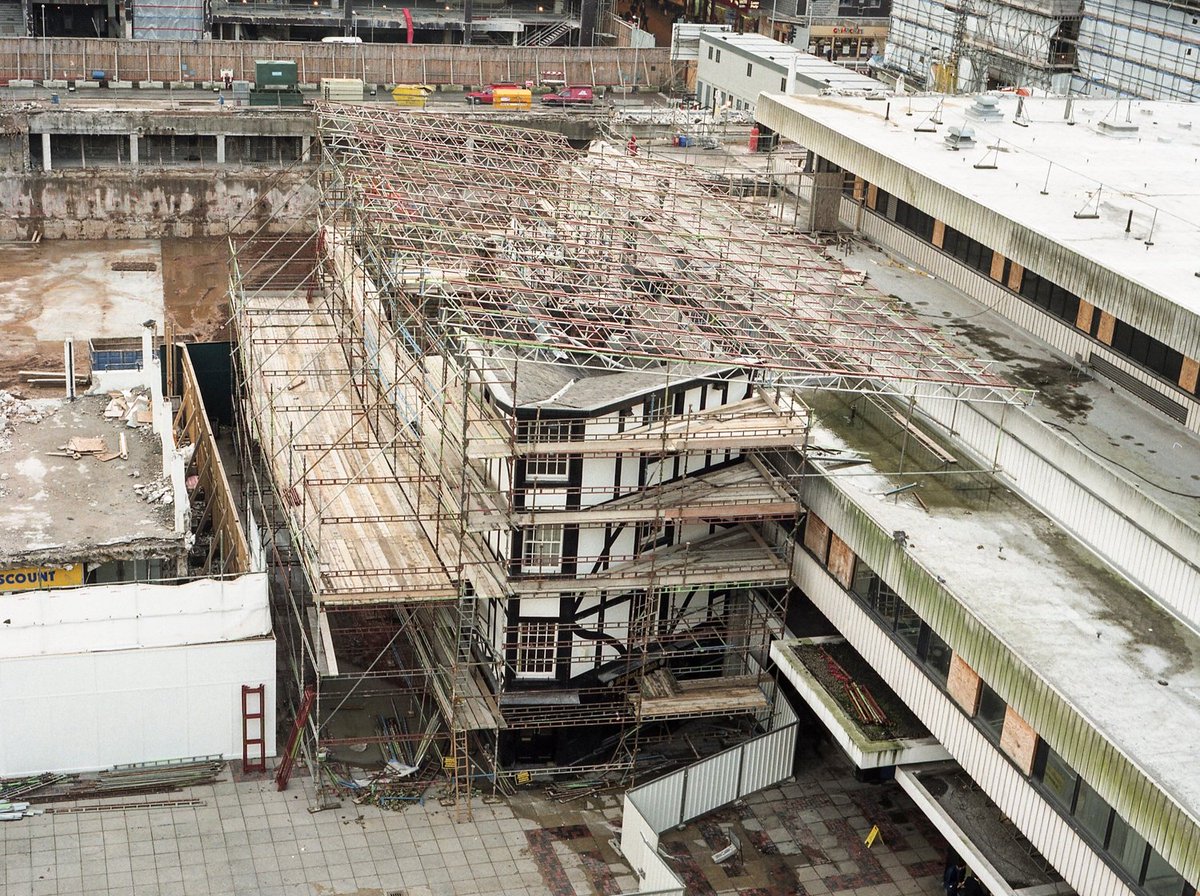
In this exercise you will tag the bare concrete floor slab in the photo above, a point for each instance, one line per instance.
(804, 837)
(1124, 433)
(80, 289)
(55, 508)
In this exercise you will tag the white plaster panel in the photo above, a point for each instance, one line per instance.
(90, 711)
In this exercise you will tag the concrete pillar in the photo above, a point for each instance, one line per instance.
(46, 152)
(827, 179)
(220, 149)
(306, 148)
(133, 150)
(826, 201)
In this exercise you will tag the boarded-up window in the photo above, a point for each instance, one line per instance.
(963, 685)
(816, 537)
(1018, 740)
(841, 561)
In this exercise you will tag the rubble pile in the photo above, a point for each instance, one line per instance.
(132, 405)
(157, 492)
(14, 410)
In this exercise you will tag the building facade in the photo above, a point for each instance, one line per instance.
(1144, 49)
(135, 615)
(733, 69)
(981, 617)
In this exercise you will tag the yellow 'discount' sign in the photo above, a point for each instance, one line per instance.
(26, 578)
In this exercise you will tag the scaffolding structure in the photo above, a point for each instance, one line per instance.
(966, 46)
(477, 313)
(1148, 49)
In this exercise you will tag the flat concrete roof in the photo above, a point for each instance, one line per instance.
(1054, 605)
(58, 508)
(1099, 165)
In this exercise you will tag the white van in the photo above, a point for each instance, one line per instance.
(338, 39)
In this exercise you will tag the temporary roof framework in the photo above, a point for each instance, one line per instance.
(509, 238)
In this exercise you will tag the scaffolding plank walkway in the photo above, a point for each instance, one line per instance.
(346, 503)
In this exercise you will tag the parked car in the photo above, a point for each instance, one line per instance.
(484, 96)
(570, 96)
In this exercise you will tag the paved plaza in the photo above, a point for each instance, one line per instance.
(803, 837)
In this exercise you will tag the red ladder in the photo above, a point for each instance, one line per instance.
(284, 772)
(254, 719)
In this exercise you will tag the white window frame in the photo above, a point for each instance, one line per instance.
(541, 548)
(553, 467)
(537, 649)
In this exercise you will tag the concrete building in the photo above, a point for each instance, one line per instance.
(849, 32)
(134, 613)
(1046, 207)
(733, 69)
(1144, 49)
(522, 24)
(1099, 566)
(528, 24)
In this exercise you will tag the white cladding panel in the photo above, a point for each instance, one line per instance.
(89, 711)
(599, 476)
(998, 777)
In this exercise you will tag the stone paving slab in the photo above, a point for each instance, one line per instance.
(803, 838)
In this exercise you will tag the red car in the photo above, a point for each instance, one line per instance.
(484, 97)
(570, 96)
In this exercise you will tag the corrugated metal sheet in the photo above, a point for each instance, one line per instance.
(723, 778)
(1167, 826)
(661, 801)
(712, 783)
(767, 760)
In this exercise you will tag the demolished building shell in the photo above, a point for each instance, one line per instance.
(526, 424)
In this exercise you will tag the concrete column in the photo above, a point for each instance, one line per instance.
(133, 150)
(46, 152)
(220, 149)
(306, 148)
(826, 199)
